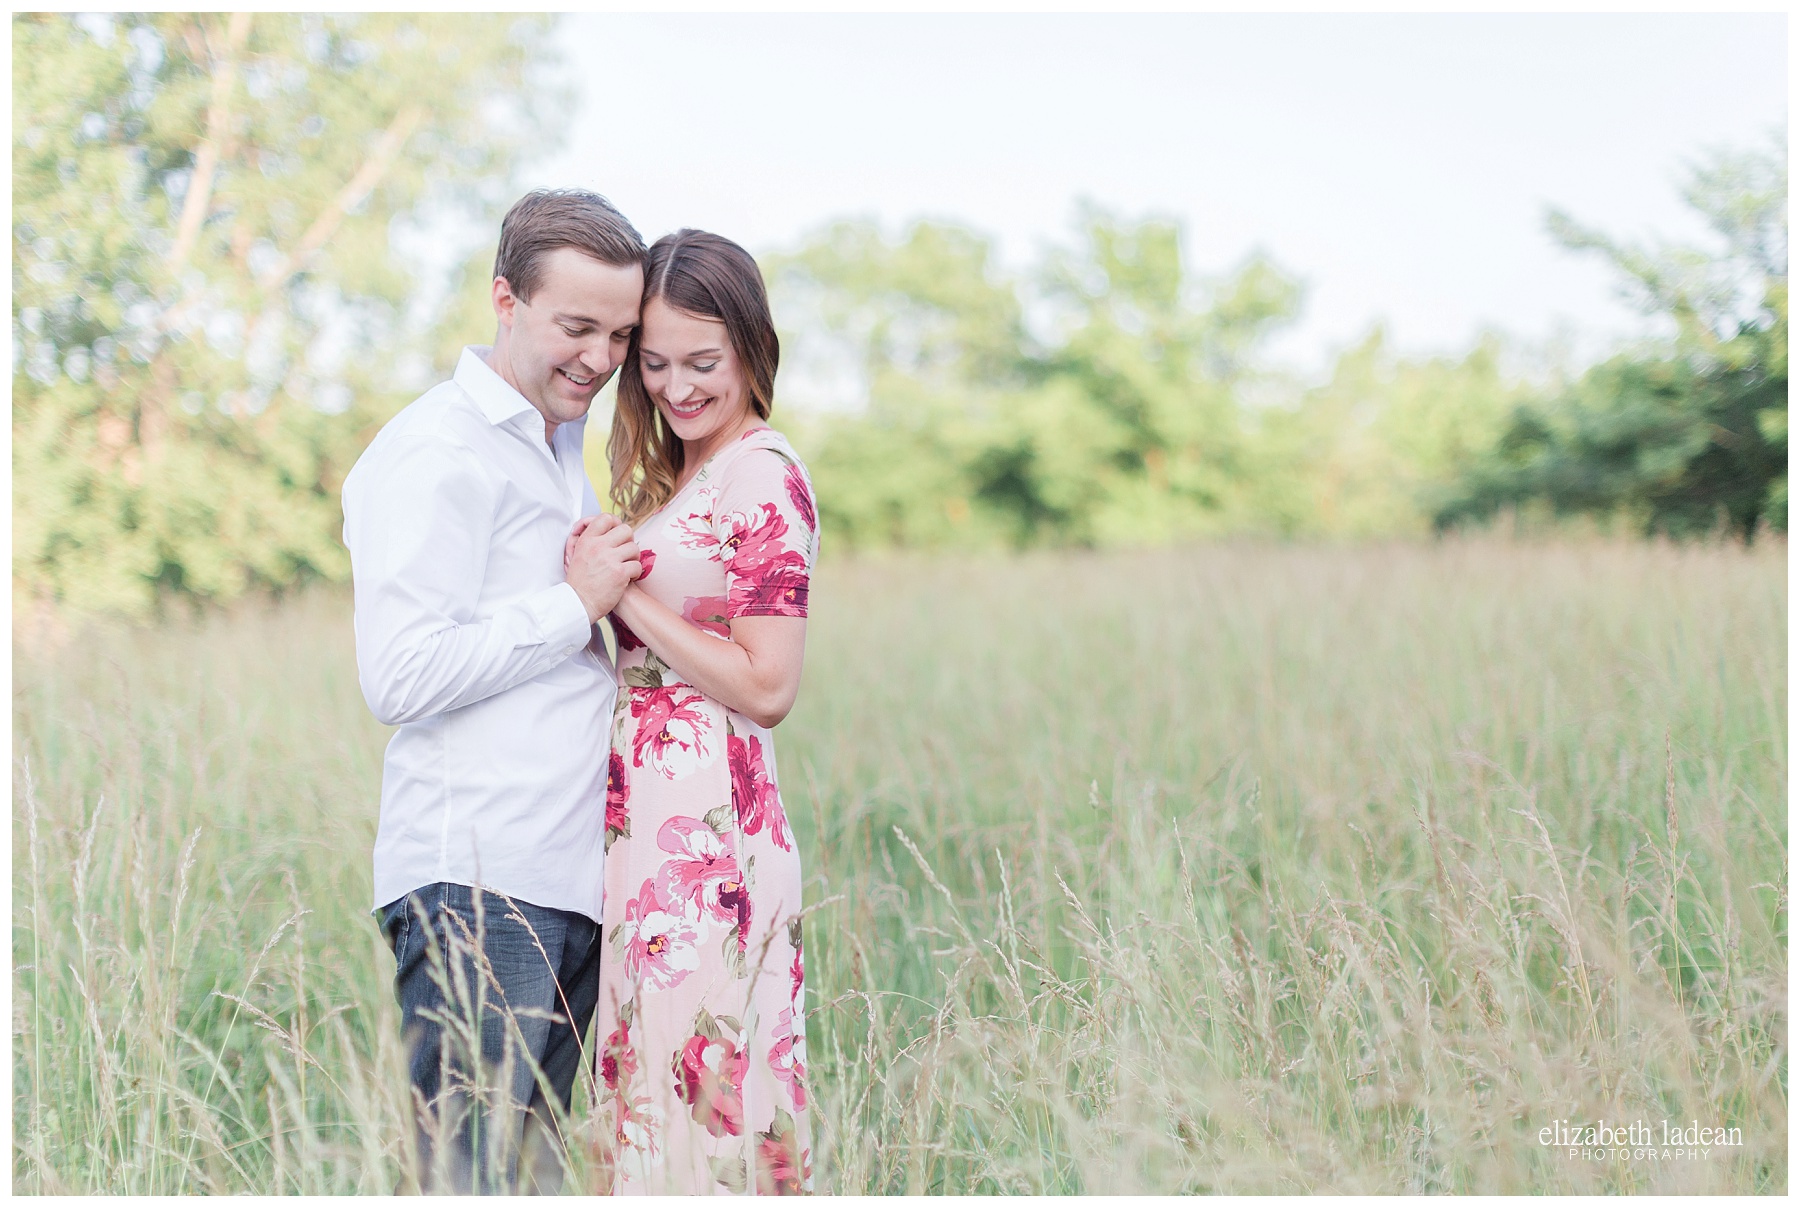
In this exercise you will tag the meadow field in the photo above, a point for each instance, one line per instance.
(1242, 867)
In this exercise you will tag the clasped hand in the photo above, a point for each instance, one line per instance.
(600, 560)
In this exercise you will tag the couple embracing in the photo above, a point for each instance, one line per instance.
(571, 838)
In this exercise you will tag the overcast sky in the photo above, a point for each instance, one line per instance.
(1400, 165)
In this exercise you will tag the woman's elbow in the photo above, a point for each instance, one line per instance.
(770, 708)
(768, 718)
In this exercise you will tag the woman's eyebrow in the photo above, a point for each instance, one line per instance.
(698, 352)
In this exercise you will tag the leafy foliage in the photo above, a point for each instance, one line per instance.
(1371, 450)
(1108, 396)
(1685, 436)
(1117, 421)
(207, 322)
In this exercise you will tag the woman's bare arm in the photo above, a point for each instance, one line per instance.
(756, 672)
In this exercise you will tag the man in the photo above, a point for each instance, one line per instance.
(473, 639)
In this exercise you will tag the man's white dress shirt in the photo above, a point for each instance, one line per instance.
(469, 640)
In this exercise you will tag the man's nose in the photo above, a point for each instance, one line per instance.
(598, 358)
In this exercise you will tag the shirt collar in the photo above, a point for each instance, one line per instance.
(497, 400)
(502, 405)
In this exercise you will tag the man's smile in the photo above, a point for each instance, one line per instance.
(581, 383)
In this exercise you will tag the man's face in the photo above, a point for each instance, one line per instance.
(559, 349)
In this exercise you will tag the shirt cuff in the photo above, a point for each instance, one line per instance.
(561, 618)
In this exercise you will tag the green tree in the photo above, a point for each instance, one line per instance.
(1694, 432)
(1116, 422)
(931, 333)
(1375, 449)
(1146, 439)
(208, 318)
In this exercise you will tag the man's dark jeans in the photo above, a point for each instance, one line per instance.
(525, 979)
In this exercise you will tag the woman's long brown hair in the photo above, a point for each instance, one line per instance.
(709, 276)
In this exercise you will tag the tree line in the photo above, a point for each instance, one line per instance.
(210, 319)
(1110, 395)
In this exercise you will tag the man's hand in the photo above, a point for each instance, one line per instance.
(604, 520)
(602, 560)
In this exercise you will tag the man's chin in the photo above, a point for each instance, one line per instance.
(572, 403)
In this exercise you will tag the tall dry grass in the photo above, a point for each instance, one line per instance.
(1243, 868)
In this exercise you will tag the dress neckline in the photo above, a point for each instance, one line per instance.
(697, 475)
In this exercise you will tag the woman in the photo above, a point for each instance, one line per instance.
(701, 1018)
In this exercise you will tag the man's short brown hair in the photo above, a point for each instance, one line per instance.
(546, 219)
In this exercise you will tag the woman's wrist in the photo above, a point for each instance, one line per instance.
(623, 606)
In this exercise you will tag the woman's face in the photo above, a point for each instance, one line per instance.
(692, 374)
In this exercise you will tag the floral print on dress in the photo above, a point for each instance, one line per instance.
(660, 940)
(787, 1056)
(783, 1166)
(800, 495)
(709, 1075)
(752, 792)
(753, 538)
(768, 578)
(704, 873)
(796, 972)
(704, 1065)
(674, 735)
(628, 640)
(618, 1060)
(693, 528)
(618, 820)
(776, 590)
(708, 613)
(639, 1134)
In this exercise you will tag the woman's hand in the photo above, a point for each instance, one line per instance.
(756, 671)
(573, 537)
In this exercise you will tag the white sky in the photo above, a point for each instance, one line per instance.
(1401, 165)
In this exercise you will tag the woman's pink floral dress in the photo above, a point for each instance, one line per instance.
(701, 1030)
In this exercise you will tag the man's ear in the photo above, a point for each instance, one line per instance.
(504, 301)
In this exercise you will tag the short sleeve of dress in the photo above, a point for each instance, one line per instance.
(767, 529)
